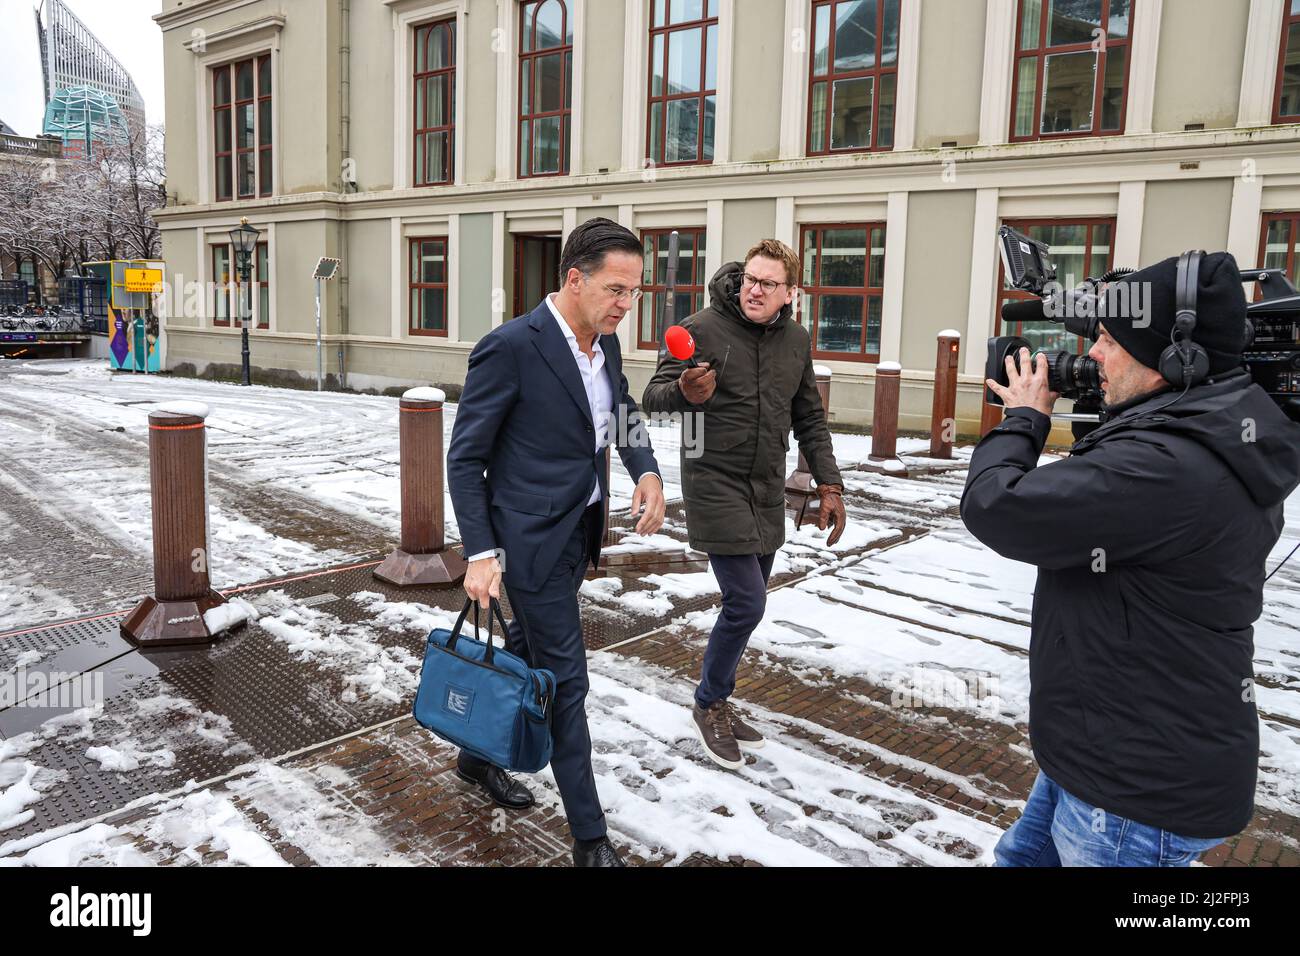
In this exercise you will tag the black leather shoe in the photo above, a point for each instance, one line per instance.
(504, 789)
(602, 854)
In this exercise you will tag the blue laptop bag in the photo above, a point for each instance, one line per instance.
(484, 699)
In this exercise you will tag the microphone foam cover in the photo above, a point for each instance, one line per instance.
(679, 343)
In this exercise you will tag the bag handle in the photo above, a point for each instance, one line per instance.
(493, 610)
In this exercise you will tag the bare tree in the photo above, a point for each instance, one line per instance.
(71, 212)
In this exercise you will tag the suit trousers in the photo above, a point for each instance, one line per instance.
(555, 638)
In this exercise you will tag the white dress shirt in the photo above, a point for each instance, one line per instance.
(600, 396)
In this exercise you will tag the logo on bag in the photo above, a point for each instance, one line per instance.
(459, 700)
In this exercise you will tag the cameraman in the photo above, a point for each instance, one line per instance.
(1150, 542)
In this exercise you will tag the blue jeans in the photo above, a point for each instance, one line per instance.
(743, 579)
(1059, 829)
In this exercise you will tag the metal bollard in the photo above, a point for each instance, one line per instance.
(884, 413)
(422, 559)
(943, 415)
(174, 613)
(799, 489)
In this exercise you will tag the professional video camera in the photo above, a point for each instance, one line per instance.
(1272, 352)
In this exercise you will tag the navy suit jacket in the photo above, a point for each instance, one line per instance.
(522, 463)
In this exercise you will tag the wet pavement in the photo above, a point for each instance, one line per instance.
(296, 729)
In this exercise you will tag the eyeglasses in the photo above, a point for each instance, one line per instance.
(632, 295)
(767, 285)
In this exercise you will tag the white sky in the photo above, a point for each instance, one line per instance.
(124, 26)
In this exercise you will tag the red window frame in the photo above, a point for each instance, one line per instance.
(1293, 239)
(809, 293)
(526, 92)
(221, 118)
(878, 73)
(230, 286)
(1089, 268)
(552, 247)
(262, 284)
(261, 143)
(653, 241)
(418, 77)
(1290, 18)
(415, 319)
(1041, 52)
(663, 32)
(222, 284)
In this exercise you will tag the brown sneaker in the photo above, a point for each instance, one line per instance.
(745, 735)
(714, 731)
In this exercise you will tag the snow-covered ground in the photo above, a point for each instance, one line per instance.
(938, 611)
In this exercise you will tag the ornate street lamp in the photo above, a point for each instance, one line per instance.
(243, 238)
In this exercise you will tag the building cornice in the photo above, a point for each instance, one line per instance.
(195, 11)
(272, 23)
(1145, 150)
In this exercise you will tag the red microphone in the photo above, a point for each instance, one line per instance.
(681, 345)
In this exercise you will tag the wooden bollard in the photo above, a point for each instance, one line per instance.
(174, 613)
(943, 414)
(422, 559)
(884, 417)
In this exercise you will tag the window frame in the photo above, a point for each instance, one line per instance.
(263, 185)
(701, 96)
(1292, 258)
(416, 79)
(518, 241)
(232, 287)
(814, 290)
(1289, 19)
(699, 285)
(1021, 225)
(566, 53)
(261, 284)
(830, 76)
(1042, 51)
(221, 286)
(413, 322)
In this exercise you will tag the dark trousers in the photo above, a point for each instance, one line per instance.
(555, 633)
(743, 578)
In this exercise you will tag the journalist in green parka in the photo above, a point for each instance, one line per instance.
(753, 385)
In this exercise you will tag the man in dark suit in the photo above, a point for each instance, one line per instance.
(544, 396)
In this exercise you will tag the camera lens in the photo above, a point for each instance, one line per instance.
(1072, 375)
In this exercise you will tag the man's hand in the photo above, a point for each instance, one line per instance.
(1027, 385)
(832, 512)
(698, 383)
(650, 495)
(483, 581)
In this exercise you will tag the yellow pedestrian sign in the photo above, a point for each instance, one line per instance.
(142, 280)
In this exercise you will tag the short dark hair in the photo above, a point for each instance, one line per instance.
(590, 242)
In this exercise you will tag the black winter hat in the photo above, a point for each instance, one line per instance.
(1220, 312)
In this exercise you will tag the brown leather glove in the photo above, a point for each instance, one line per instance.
(698, 383)
(832, 511)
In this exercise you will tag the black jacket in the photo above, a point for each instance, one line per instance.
(1141, 696)
(735, 489)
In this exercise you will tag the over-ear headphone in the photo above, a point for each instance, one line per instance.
(1184, 363)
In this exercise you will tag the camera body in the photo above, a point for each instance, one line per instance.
(1272, 347)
